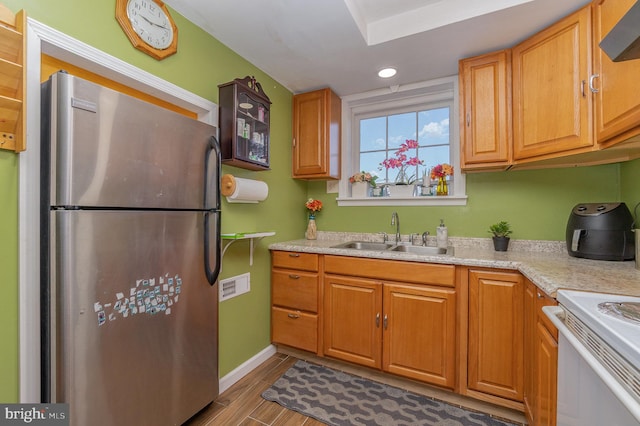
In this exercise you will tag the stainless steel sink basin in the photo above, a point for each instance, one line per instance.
(369, 245)
(423, 250)
(364, 245)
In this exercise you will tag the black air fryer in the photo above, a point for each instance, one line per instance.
(601, 231)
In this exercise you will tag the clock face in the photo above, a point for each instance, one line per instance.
(151, 23)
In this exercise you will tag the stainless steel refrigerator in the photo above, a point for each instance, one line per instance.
(130, 257)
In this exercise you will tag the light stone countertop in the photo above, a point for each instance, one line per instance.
(545, 263)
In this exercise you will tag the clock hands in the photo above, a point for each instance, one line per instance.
(153, 23)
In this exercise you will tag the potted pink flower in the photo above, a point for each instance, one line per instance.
(360, 183)
(401, 161)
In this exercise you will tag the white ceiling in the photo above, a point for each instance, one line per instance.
(342, 44)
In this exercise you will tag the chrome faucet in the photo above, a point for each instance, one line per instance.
(395, 220)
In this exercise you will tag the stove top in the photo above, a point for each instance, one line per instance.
(604, 315)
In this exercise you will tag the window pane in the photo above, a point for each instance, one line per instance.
(373, 134)
(370, 162)
(434, 155)
(434, 126)
(401, 128)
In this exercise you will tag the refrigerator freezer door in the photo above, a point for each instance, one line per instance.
(108, 149)
(137, 319)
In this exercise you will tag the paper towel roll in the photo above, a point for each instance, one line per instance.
(239, 190)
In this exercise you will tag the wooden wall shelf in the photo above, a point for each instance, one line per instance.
(12, 79)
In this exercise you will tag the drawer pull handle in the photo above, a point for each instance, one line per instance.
(294, 255)
(293, 316)
(294, 276)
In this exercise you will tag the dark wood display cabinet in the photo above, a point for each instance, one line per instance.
(244, 124)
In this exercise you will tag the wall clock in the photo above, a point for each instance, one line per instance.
(149, 26)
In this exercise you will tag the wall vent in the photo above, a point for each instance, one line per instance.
(234, 286)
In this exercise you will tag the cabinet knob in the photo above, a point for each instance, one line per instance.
(539, 294)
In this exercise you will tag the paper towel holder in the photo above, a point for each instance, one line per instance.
(236, 189)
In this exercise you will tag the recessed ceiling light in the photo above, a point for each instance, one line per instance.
(387, 72)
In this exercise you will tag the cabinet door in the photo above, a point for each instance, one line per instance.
(352, 320)
(617, 103)
(546, 373)
(530, 339)
(551, 107)
(485, 96)
(419, 333)
(495, 352)
(316, 135)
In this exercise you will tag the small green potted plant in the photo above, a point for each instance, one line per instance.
(501, 231)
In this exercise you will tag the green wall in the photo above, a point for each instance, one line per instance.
(537, 203)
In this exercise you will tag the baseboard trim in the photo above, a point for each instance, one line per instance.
(245, 368)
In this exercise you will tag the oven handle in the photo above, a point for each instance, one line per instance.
(557, 314)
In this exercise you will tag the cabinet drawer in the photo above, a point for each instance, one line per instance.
(295, 289)
(293, 260)
(294, 328)
(392, 270)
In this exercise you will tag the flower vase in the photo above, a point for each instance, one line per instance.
(401, 191)
(360, 189)
(402, 178)
(312, 231)
(443, 187)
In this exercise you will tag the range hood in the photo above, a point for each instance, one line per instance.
(623, 41)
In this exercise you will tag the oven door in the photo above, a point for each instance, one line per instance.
(589, 392)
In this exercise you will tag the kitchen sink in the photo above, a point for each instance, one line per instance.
(423, 250)
(364, 245)
(368, 245)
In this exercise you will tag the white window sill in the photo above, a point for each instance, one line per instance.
(449, 200)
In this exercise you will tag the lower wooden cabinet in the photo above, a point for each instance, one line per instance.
(419, 333)
(396, 316)
(352, 320)
(541, 363)
(496, 334)
(477, 331)
(295, 295)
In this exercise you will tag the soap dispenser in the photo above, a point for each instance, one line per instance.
(442, 236)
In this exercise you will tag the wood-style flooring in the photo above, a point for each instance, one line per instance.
(242, 404)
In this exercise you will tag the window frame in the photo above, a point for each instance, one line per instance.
(389, 101)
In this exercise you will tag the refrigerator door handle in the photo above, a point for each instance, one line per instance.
(213, 148)
(212, 274)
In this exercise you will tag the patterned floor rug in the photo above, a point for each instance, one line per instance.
(341, 399)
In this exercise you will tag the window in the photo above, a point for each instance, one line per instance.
(376, 124)
(380, 137)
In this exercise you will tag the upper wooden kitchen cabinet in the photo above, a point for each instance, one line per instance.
(485, 111)
(616, 85)
(551, 103)
(316, 135)
(496, 336)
